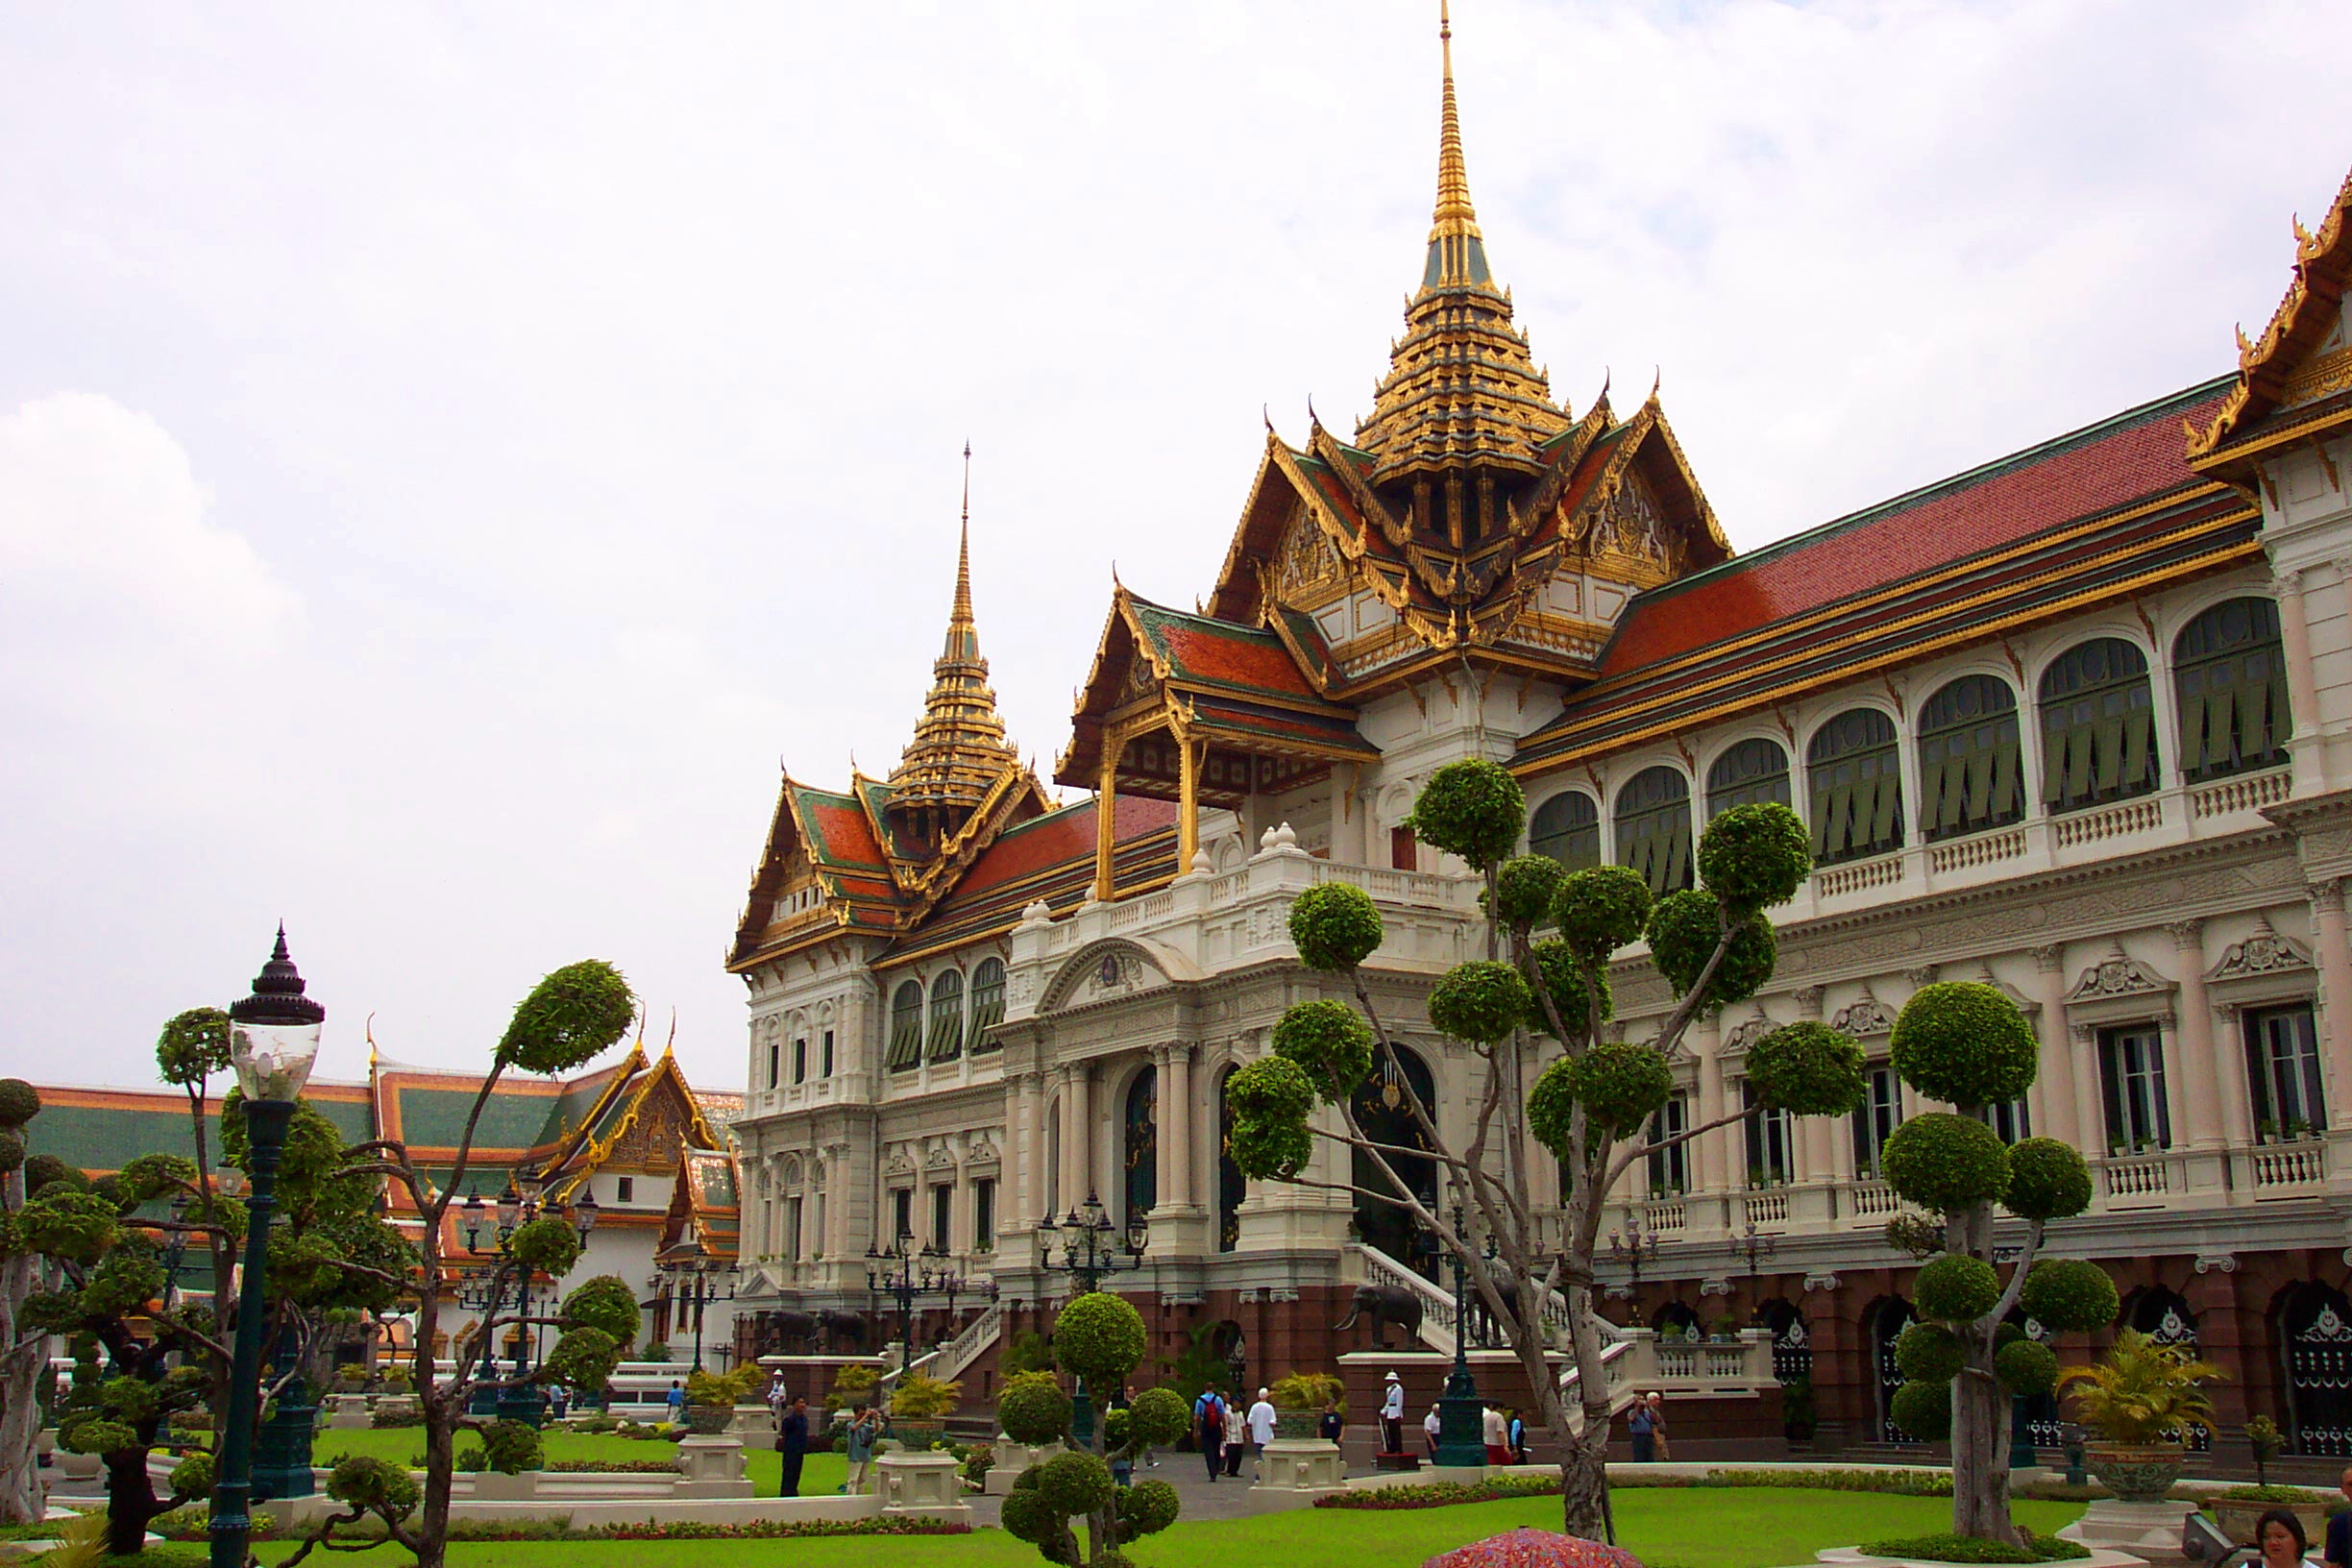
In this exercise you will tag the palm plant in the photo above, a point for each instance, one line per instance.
(2142, 1392)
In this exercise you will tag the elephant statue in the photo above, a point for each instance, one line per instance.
(838, 1324)
(1386, 1303)
(790, 1328)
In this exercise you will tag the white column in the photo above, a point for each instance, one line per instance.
(2202, 1078)
(1712, 1163)
(2065, 1115)
(1176, 1113)
(2308, 747)
(2327, 900)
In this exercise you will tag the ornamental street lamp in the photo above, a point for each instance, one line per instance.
(1634, 1247)
(485, 1293)
(1754, 1246)
(273, 1040)
(694, 1286)
(1088, 1254)
(1462, 1427)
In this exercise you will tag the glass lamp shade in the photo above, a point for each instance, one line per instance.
(1137, 1226)
(584, 1214)
(274, 1032)
(229, 1181)
(509, 1205)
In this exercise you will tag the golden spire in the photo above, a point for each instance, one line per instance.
(959, 749)
(1457, 252)
(1462, 386)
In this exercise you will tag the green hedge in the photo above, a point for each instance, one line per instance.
(1950, 1547)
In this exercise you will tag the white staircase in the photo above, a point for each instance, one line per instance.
(948, 1361)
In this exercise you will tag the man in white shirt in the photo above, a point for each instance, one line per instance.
(1431, 1428)
(1392, 1416)
(1260, 1433)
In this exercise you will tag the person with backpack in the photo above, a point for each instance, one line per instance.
(1209, 1422)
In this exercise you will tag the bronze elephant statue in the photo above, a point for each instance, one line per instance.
(1386, 1303)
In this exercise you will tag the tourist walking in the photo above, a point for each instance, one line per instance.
(1236, 1436)
(791, 1447)
(677, 1400)
(1260, 1433)
(1328, 1425)
(1491, 1433)
(1392, 1416)
(864, 1430)
(1432, 1426)
(2338, 1553)
(1208, 1427)
(1515, 1433)
(1657, 1426)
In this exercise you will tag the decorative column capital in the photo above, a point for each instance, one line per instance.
(1923, 974)
(2326, 894)
(2226, 1263)
(2050, 956)
(2188, 935)
(1821, 1282)
(2285, 584)
(1809, 1000)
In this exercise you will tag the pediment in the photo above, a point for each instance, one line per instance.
(1105, 971)
(2118, 976)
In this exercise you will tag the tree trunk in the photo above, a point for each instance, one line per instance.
(440, 1464)
(1585, 1457)
(21, 1494)
(131, 1500)
(1981, 1449)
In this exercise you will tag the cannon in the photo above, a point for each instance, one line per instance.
(1386, 1303)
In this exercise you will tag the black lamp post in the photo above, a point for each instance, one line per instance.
(1634, 1247)
(273, 1040)
(1754, 1246)
(1088, 1256)
(694, 1286)
(898, 1272)
(1462, 1426)
(487, 1292)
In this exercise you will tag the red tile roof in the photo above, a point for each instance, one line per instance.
(2136, 455)
(1060, 837)
(846, 836)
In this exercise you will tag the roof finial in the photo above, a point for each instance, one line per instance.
(1457, 253)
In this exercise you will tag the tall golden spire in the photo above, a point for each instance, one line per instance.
(959, 750)
(1457, 252)
(1462, 386)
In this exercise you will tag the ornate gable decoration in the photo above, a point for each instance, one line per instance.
(899, 1163)
(1749, 1033)
(982, 1152)
(1864, 1017)
(2263, 954)
(2118, 977)
(2301, 356)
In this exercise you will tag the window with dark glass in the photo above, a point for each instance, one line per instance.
(2132, 1084)
(2010, 1122)
(625, 1188)
(1670, 1166)
(2230, 679)
(906, 1027)
(946, 1017)
(1853, 780)
(1404, 849)
(1967, 751)
(791, 1230)
(800, 1059)
(988, 1002)
(1875, 1120)
(1770, 1160)
(942, 1215)
(902, 1213)
(984, 1215)
(2098, 725)
(825, 1057)
(1567, 828)
(1653, 828)
(2283, 1069)
(772, 1051)
(1755, 772)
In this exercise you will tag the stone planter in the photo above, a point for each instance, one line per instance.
(2137, 1474)
(753, 1424)
(709, 1420)
(1010, 1459)
(2236, 1517)
(917, 1433)
(76, 1466)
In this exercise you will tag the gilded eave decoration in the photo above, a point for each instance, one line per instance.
(2267, 365)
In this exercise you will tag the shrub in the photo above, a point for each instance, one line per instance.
(20, 1102)
(1147, 1507)
(512, 1447)
(1684, 928)
(1925, 1353)
(1602, 909)
(1964, 1043)
(1525, 887)
(1101, 1338)
(1754, 856)
(568, 1017)
(1955, 1288)
(1074, 1484)
(1329, 1042)
(1335, 926)
(1621, 1086)
(1472, 808)
(2068, 1295)
(921, 1397)
(1270, 1099)
(722, 1390)
(1806, 1067)
(1572, 988)
(1481, 1002)
(1945, 1161)
(1308, 1391)
(2027, 1367)
(1947, 1547)
(2048, 1180)
(1923, 1410)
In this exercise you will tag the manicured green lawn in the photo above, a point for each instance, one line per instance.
(406, 1445)
(1727, 1528)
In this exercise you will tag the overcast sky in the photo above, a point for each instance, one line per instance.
(449, 456)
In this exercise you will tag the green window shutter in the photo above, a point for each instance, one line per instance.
(1822, 821)
(1979, 775)
(2053, 764)
(2192, 733)
(2081, 756)
(1677, 853)
(2221, 729)
(2253, 719)
(1931, 787)
(2282, 712)
(1953, 796)
(1884, 828)
(2108, 763)
(2005, 803)
(2139, 729)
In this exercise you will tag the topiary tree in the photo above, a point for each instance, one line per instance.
(1968, 1046)
(568, 1018)
(1100, 1338)
(1532, 1013)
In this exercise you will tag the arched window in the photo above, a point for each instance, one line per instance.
(2098, 725)
(1752, 772)
(1968, 755)
(1855, 781)
(1653, 828)
(906, 1026)
(948, 1016)
(1567, 828)
(2231, 679)
(987, 1003)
